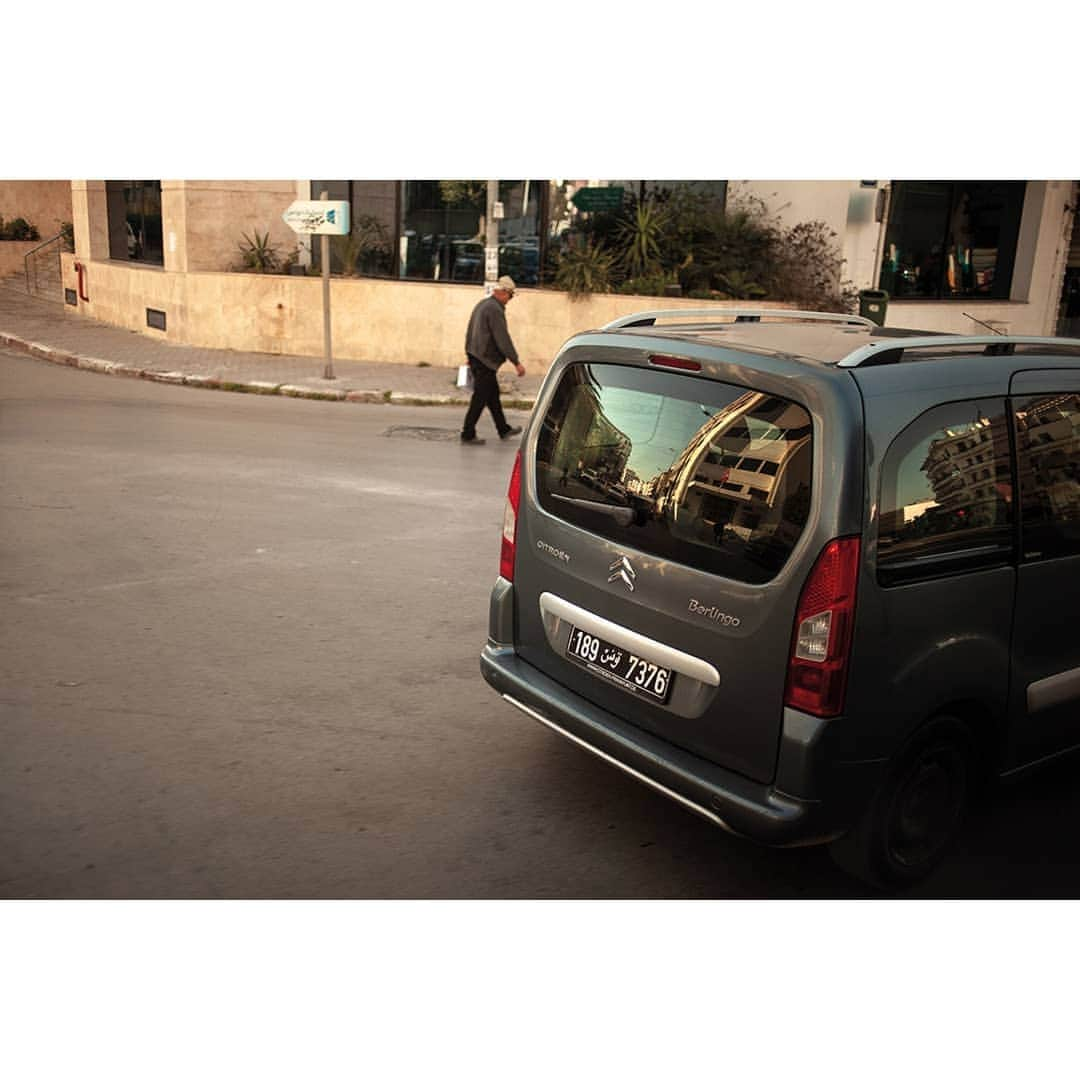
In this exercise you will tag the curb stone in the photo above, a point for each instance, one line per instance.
(403, 398)
(210, 382)
(90, 363)
(314, 394)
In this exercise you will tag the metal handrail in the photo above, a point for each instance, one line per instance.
(33, 251)
(992, 344)
(52, 239)
(648, 318)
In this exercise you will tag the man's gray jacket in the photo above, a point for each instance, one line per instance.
(487, 337)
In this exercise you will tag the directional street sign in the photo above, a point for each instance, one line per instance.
(320, 216)
(598, 198)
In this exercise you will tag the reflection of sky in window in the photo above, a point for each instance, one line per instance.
(659, 428)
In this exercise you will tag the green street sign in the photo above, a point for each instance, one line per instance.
(591, 199)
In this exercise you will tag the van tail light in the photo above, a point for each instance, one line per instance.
(510, 516)
(821, 644)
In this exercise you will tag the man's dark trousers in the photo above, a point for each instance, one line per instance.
(485, 392)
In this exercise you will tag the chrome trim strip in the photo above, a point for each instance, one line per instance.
(638, 644)
(654, 784)
(1053, 690)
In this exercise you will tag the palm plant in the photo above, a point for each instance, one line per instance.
(258, 253)
(641, 236)
(584, 269)
(346, 249)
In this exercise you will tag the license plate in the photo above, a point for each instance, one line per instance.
(619, 665)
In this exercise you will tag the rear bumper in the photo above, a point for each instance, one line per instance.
(759, 812)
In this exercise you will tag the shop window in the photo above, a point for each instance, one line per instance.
(952, 240)
(368, 250)
(442, 230)
(1048, 460)
(937, 515)
(443, 233)
(134, 213)
(519, 230)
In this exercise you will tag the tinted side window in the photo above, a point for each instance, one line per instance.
(946, 494)
(1048, 463)
(703, 473)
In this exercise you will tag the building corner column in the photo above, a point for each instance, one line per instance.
(90, 220)
(174, 231)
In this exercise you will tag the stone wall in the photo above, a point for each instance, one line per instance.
(206, 220)
(44, 203)
(405, 322)
(11, 256)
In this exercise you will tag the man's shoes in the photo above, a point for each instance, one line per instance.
(510, 432)
(474, 441)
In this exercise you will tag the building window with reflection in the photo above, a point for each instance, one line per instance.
(443, 233)
(368, 249)
(952, 240)
(134, 215)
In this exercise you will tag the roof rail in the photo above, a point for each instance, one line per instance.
(648, 318)
(891, 350)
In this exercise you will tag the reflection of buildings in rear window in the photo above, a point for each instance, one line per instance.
(1048, 445)
(960, 468)
(961, 484)
(614, 444)
(589, 443)
(703, 485)
(916, 510)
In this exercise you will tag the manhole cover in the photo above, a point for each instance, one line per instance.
(429, 434)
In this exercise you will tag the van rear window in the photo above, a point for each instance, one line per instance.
(703, 473)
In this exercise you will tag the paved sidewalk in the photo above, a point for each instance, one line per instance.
(54, 332)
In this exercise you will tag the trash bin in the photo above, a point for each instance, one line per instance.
(873, 303)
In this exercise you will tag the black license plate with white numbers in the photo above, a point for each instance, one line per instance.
(619, 665)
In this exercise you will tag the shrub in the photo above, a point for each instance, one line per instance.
(18, 229)
(807, 270)
(584, 268)
(258, 254)
(658, 283)
(740, 251)
(366, 249)
(745, 253)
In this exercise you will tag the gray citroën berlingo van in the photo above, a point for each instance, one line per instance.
(805, 576)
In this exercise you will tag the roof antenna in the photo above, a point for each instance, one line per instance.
(992, 329)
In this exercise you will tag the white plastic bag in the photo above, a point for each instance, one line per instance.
(464, 377)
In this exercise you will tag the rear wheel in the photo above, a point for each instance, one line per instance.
(916, 814)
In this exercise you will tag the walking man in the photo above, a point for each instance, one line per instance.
(487, 345)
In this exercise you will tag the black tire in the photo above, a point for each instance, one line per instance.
(916, 814)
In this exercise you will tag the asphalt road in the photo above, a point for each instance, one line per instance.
(239, 658)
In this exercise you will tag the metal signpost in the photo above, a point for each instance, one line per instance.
(323, 218)
(491, 248)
